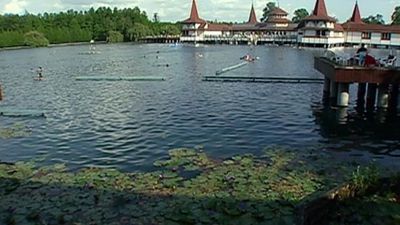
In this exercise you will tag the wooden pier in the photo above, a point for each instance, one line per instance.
(377, 86)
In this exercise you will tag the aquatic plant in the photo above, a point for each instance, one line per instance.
(16, 130)
(186, 188)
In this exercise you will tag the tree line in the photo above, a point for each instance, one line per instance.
(101, 24)
(301, 13)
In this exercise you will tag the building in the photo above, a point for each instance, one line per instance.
(375, 35)
(319, 29)
(316, 30)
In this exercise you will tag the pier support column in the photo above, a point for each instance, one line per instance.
(398, 100)
(343, 95)
(333, 89)
(362, 88)
(383, 96)
(327, 88)
(371, 95)
(394, 96)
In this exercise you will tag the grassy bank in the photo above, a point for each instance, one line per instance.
(187, 188)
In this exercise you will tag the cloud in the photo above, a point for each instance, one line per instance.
(178, 10)
(15, 6)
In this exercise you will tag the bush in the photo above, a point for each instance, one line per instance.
(115, 37)
(35, 39)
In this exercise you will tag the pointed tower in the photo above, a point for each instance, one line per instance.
(356, 17)
(194, 15)
(320, 9)
(252, 17)
(321, 27)
(193, 27)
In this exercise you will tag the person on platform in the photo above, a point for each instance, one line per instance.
(362, 53)
(370, 61)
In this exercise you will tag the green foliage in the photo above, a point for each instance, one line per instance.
(82, 26)
(138, 31)
(299, 14)
(396, 16)
(363, 177)
(268, 8)
(377, 19)
(11, 39)
(35, 39)
(114, 37)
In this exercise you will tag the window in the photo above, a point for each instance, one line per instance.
(386, 36)
(366, 35)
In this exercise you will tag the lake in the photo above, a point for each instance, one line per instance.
(128, 124)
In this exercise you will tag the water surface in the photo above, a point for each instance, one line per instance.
(130, 124)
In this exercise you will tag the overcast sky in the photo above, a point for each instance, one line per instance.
(221, 10)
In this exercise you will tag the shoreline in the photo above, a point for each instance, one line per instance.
(51, 46)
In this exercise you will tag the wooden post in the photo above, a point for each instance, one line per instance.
(371, 95)
(333, 94)
(327, 88)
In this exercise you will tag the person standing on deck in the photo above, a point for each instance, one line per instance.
(362, 53)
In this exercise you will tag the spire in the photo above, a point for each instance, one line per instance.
(194, 15)
(320, 9)
(356, 18)
(252, 17)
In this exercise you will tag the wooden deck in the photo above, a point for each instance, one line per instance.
(357, 74)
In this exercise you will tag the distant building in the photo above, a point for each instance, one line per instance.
(375, 35)
(316, 30)
(319, 29)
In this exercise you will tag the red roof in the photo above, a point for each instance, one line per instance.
(320, 12)
(377, 28)
(194, 15)
(278, 11)
(215, 27)
(252, 17)
(356, 18)
(320, 9)
(278, 20)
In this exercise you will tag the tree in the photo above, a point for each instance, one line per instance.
(115, 37)
(156, 19)
(299, 14)
(268, 8)
(396, 16)
(138, 31)
(35, 39)
(378, 19)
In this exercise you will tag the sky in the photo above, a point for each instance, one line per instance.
(220, 10)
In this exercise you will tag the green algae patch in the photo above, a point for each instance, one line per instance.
(187, 188)
(15, 131)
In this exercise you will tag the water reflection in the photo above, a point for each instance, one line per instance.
(352, 129)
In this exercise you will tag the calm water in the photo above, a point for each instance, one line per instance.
(130, 124)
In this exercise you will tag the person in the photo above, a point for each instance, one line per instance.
(40, 73)
(362, 53)
(1, 93)
(370, 61)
